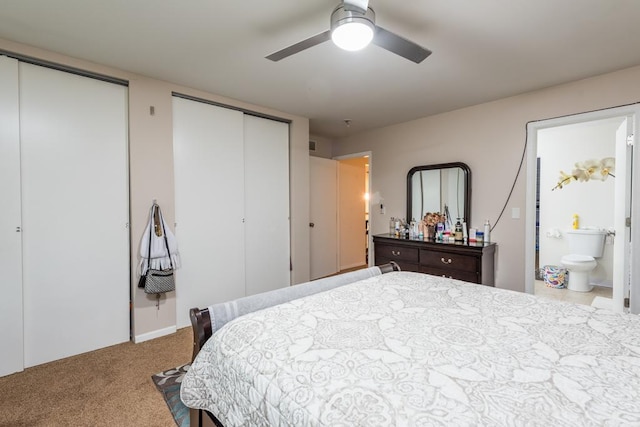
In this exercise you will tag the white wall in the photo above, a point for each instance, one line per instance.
(324, 147)
(490, 138)
(559, 149)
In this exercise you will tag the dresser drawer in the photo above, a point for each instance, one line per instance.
(449, 261)
(397, 253)
(467, 276)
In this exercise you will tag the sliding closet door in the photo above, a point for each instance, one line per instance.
(11, 355)
(209, 203)
(75, 213)
(266, 159)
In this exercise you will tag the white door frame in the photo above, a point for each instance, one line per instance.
(368, 154)
(632, 111)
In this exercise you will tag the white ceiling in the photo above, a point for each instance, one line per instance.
(482, 50)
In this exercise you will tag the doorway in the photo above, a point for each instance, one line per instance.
(339, 217)
(553, 201)
(353, 213)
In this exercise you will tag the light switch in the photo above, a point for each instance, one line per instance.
(515, 213)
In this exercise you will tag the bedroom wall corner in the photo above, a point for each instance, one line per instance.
(323, 146)
(299, 203)
(151, 177)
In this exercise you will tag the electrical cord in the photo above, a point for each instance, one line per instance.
(524, 152)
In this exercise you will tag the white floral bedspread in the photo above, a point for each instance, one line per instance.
(409, 349)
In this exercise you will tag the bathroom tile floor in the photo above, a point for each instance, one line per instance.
(585, 298)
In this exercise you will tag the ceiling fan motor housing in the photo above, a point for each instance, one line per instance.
(341, 16)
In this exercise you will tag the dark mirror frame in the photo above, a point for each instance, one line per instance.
(467, 186)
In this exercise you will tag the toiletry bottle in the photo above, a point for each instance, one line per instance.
(487, 231)
(458, 231)
(392, 226)
(575, 222)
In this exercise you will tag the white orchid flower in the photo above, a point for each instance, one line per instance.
(589, 169)
(581, 174)
(584, 170)
(607, 167)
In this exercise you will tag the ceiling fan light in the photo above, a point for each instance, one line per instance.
(352, 36)
(352, 29)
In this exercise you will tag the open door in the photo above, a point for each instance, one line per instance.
(622, 215)
(323, 216)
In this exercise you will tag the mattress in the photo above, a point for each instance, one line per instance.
(410, 349)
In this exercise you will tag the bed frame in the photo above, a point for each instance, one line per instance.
(201, 325)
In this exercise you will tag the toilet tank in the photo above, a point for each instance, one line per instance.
(586, 242)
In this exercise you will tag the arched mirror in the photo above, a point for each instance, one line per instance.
(444, 188)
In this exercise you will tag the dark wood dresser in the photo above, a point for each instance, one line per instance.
(471, 262)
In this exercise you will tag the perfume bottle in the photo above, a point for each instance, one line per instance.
(487, 231)
(413, 229)
(439, 232)
(458, 231)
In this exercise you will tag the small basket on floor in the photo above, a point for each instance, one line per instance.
(554, 276)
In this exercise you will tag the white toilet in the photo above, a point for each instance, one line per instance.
(585, 245)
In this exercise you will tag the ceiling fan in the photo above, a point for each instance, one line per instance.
(353, 26)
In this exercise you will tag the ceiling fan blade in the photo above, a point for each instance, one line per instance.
(300, 46)
(360, 6)
(400, 46)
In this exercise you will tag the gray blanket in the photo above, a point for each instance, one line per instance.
(227, 311)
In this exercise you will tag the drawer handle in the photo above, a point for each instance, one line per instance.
(446, 261)
(447, 277)
(395, 253)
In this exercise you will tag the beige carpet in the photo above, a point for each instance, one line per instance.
(107, 387)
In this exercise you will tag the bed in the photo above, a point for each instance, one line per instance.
(410, 349)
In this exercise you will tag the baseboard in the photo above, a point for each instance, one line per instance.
(154, 334)
(603, 283)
